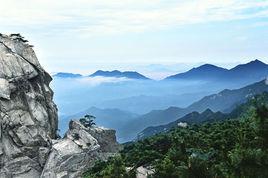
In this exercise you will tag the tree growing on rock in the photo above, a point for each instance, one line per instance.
(88, 121)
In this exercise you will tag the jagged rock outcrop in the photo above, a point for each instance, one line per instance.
(29, 145)
(28, 116)
(78, 150)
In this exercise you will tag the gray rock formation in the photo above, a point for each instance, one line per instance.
(78, 150)
(29, 146)
(28, 116)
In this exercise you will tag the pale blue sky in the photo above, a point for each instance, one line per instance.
(85, 35)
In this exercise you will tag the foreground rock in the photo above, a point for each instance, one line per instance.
(78, 150)
(28, 122)
(28, 116)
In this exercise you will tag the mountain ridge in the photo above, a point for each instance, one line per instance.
(118, 74)
(226, 97)
(67, 75)
(234, 98)
(206, 116)
(254, 70)
(193, 117)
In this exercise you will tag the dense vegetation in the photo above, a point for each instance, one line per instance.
(230, 148)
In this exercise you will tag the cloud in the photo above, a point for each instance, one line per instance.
(93, 17)
(260, 24)
(95, 81)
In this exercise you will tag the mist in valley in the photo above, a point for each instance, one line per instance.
(116, 102)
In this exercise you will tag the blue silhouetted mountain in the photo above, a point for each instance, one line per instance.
(142, 104)
(224, 101)
(118, 74)
(67, 75)
(204, 72)
(227, 99)
(191, 118)
(252, 71)
(205, 116)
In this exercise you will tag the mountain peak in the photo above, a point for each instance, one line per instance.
(256, 64)
(67, 75)
(207, 111)
(118, 74)
(206, 71)
(208, 66)
(254, 70)
(256, 61)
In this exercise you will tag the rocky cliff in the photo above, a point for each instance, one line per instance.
(29, 146)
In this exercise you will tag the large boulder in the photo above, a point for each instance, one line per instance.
(28, 116)
(78, 150)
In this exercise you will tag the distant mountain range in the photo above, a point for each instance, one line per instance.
(67, 75)
(118, 74)
(252, 71)
(194, 117)
(101, 73)
(142, 104)
(227, 100)
(128, 125)
(206, 116)
(224, 101)
(203, 72)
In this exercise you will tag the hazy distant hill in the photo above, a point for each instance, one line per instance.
(223, 101)
(207, 72)
(117, 73)
(206, 116)
(226, 99)
(128, 124)
(194, 117)
(252, 71)
(143, 104)
(153, 118)
(67, 75)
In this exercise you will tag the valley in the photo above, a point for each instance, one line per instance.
(130, 105)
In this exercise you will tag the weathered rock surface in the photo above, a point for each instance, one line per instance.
(78, 151)
(28, 116)
(29, 145)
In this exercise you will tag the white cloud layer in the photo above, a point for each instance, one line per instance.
(93, 17)
(95, 81)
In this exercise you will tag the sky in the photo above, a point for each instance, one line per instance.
(82, 36)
